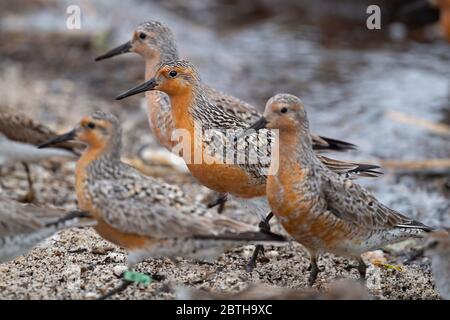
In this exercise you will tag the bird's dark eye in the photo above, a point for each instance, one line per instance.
(173, 73)
(142, 35)
(284, 110)
(91, 125)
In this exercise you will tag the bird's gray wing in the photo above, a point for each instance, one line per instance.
(17, 218)
(146, 208)
(352, 203)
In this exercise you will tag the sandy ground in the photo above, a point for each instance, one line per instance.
(60, 83)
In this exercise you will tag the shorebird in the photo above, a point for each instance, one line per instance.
(23, 226)
(320, 209)
(19, 136)
(437, 247)
(156, 43)
(208, 124)
(145, 216)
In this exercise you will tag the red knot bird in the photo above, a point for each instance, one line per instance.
(23, 226)
(437, 247)
(322, 210)
(145, 216)
(195, 113)
(19, 136)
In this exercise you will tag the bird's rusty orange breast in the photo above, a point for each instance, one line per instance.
(216, 176)
(285, 201)
(298, 210)
(84, 199)
(227, 178)
(160, 123)
(297, 213)
(125, 240)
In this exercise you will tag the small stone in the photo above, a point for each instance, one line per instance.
(119, 270)
(271, 254)
(101, 250)
(247, 251)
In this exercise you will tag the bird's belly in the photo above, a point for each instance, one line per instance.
(104, 229)
(125, 240)
(226, 178)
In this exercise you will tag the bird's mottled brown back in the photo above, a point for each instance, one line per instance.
(19, 127)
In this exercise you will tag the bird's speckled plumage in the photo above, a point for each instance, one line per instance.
(319, 208)
(24, 226)
(142, 214)
(158, 47)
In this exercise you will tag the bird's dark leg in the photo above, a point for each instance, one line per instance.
(264, 225)
(314, 269)
(361, 268)
(29, 197)
(219, 201)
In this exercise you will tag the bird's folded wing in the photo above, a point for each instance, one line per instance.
(21, 128)
(242, 110)
(352, 203)
(355, 170)
(17, 218)
(132, 207)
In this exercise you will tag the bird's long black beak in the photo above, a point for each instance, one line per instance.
(146, 86)
(124, 48)
(259, 124)
(58, 139)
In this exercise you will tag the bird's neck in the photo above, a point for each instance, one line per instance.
(154, 60)
(151, 66)
(184, 135)
(95, 159)
(294, 148)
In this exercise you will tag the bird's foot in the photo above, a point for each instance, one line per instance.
(219, 202)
